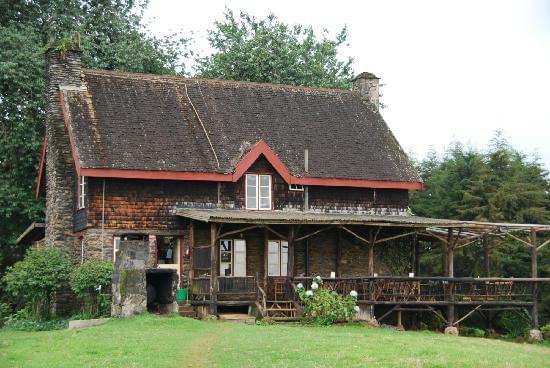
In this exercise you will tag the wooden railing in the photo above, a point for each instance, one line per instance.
(237, 285)
(200, 289)
(389, 289)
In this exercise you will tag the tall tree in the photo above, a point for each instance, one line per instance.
(113, 36)
(268, 50)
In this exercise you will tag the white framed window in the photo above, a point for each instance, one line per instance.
(81, 192)
(296, 187)
(233, 257)
(258, 192)
(277, 258)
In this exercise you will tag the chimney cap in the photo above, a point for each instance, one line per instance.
(365, 75)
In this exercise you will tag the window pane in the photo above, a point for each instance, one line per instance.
(273, 258)
(251, 202)
(264, 192)
(264, 203)
(264, 180)
(251, 180)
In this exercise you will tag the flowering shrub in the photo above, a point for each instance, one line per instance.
(323, 306)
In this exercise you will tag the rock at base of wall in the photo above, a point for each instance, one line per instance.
(82, 323)
(451, 331)
(535, 335)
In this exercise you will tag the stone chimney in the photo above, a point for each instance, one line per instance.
(367, 84)
(62, 69)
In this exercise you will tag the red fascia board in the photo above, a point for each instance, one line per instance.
(155, 174)
(357, 183)
(261, 148)
(41, 167)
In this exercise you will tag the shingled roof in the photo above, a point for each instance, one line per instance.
(155, 123)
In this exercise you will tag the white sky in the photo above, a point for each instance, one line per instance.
(453, 70)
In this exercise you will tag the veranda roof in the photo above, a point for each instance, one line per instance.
(316, 218)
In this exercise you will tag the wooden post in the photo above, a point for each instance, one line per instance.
(416, 256)
(450, 254)
(444, 258)
(370, 308)
(339, 253)
(290, 260)
(450, 273)
(213, 268)
(371, 253)
(399, 322)
(534, 274)
(266, 255)
(191, 249)
(486, 255)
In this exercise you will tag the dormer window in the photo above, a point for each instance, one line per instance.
(258, 192)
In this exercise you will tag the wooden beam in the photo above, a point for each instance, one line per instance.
(314, 233)
(275, 232)
(450, 254)
(395, 237)
(242, 230)
(429, 233)
(518, 239)
(467, 315)
(543, 244)
(364, 240)
(213, 268)
(387, 313)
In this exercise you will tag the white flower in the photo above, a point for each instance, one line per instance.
(353, 293)
(309, 293)
(318, 278)
(356, 309)
(314, 286)
(300, 286)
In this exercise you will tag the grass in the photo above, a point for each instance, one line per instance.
(150, 341)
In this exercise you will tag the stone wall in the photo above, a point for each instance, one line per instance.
(60, 168)
(129, 279)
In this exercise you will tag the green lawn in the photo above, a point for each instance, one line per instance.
(150, 341)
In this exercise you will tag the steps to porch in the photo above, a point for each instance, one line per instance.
(281, 311)
(186, 310)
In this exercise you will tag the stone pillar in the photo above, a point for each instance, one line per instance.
(129, 279)
(61, 70)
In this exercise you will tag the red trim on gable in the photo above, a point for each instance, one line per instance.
(261, 148)
(155, 174)
(41, 167)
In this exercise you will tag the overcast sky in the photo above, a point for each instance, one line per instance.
(452, 70)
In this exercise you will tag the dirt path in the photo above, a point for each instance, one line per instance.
(201, 350)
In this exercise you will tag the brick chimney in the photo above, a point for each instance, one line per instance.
(367, 84)
(62, 69)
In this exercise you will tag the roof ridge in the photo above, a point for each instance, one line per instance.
(151, 76)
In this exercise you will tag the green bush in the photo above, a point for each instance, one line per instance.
(34, 325)
(36, 277)
(471, 332)
(545, 331)
(514, 324)
(323, 306)
(5, 311)
(92, 282)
